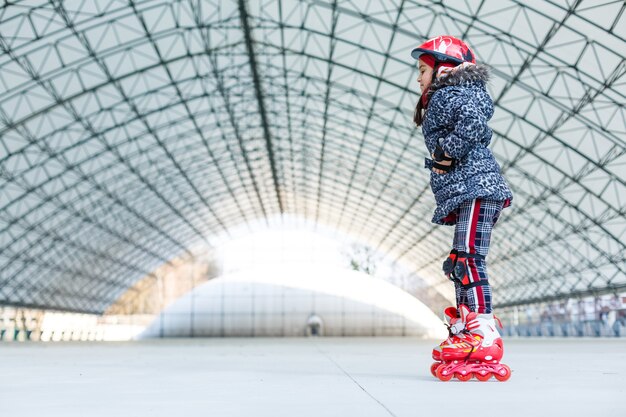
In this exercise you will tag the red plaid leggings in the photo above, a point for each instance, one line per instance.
(474, 222)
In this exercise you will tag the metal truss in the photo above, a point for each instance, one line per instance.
(134, 133)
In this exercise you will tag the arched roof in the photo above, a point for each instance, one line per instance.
(133, 132)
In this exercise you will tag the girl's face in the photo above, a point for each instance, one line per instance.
(425, 75)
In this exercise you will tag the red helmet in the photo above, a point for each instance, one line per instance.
(445, 48)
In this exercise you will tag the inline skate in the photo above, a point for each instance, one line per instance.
(475, 352)
(455, 327)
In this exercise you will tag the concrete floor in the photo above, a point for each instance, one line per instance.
(304, 377)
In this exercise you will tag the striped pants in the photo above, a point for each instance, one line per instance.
(474, 222)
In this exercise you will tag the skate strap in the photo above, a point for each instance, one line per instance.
(456, 328)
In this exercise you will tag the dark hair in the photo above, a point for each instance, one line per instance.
(418, 114)
(420, 108)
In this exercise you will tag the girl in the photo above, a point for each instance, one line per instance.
(470, 192)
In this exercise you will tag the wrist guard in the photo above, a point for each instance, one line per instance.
(440, 155)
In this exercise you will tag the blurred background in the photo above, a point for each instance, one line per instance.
(250, 168)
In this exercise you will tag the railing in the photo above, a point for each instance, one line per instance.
(590, 328)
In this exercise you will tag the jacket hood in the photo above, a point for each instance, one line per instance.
(469, 73)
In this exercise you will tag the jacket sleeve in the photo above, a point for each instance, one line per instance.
(470, 125)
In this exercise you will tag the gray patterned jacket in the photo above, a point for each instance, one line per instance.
(456, 118)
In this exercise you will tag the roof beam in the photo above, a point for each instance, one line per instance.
(247, 33)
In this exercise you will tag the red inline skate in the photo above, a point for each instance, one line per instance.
(475, 352)
(455, 327)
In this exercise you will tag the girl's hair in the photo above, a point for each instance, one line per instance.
(420, 108)
(418, 114)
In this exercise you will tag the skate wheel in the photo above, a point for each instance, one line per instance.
(444, 376)
(503, 374)
(433, 368)
(482, 377)
(462, 377)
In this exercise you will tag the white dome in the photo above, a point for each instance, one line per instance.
(280, 302)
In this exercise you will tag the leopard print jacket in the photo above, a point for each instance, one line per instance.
(456, 117)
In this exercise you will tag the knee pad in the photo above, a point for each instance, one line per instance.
(449, 264)
(456, 267)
